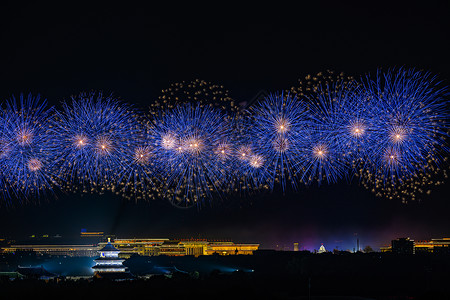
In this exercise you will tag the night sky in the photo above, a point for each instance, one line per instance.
(135, 52)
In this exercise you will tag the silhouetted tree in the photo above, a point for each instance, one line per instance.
(368, 249)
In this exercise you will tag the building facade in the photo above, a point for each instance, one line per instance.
(54, 250)
(142, 247)
(408, 246)
(109, 261)
(155, 247)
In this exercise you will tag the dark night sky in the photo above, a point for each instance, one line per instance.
(136, 51)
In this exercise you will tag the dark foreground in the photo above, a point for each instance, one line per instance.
(268, 275)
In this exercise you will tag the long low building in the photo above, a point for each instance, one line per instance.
(197, 247)
(56, 250)
(409, 246)
(143, 247)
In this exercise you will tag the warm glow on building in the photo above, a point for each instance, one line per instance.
(195, 247)
(426, 246)
(142, 247)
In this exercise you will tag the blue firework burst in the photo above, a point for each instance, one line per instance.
(277, 129)
(28, 149)
(192, 144)
(411, 119)
(337, 131)
(3, 154)
(138, 173)
(97, 140)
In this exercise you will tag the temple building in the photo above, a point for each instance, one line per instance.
(109, 265)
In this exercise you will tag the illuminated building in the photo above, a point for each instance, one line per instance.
(109, 260)
(403, 245)
(85, 233)
(142, 247)
(154, 247)
(195, 248)
(322, 249)
(54, 250)
(172, 248)
(230, 248)
(295, 246)
(434, 245)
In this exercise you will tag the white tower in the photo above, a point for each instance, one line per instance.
(109, 261)
(322, 249)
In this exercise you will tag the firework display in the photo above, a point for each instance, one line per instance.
(387, 132)
(279, 126)
(410, 114)
(98, 140)
(191, 146)
(28, 148)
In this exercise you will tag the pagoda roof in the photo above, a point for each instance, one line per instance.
(99, 267)
(109, 247)
(109, 259)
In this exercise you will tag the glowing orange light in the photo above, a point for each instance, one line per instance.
(282, 125)
(24, 136)
(320, 151)
(104, 145)
(142, 155)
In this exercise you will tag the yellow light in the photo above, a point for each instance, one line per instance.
(319, 151)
